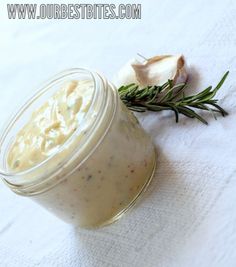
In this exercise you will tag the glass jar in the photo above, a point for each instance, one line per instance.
(99, 172)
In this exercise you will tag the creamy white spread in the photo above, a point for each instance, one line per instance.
(89, 191)
(51, 125)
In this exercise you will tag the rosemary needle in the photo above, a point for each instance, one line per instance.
(170, 96)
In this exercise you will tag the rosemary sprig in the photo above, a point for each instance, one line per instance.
(171, 97)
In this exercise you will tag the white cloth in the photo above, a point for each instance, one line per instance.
(188, 215)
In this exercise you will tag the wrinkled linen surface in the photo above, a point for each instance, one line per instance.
(187, 217)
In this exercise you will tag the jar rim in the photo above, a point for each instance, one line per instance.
(98, 95)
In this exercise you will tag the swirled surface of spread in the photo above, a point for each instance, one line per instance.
(51, 125)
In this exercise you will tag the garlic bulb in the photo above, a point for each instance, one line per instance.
(154, 71)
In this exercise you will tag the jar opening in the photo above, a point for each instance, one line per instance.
(98, 102)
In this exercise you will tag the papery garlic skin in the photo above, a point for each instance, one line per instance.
(126, 75)
(154, 71)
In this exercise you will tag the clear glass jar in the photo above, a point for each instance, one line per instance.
(99, 172)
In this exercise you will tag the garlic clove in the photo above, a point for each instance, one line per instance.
(154, 71)
(126, 75)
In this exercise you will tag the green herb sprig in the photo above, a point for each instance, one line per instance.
(170, 96)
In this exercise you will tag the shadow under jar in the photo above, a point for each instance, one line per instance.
(99, 172)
